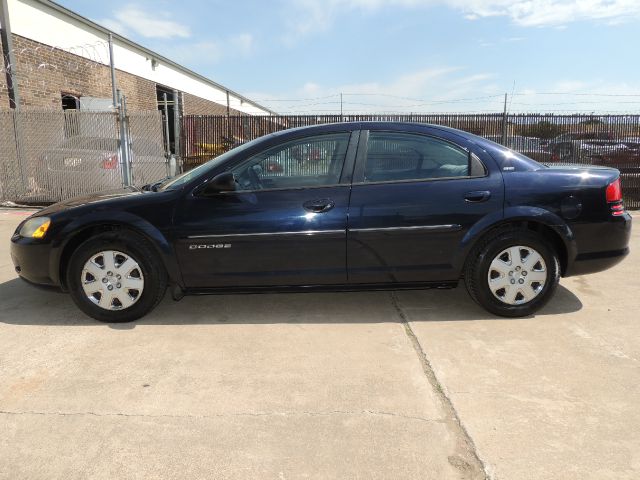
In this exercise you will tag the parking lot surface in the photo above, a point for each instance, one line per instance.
(416, 384)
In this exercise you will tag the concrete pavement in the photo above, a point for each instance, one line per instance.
(330, 385)
(549, 397)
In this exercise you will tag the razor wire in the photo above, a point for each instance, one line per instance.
(38, 59)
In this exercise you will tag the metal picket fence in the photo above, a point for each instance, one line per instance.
(610, 140)
(48, 156)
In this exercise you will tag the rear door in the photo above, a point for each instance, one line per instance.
(413, 199)
(285, 225)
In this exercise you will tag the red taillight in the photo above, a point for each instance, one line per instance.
(617, 209)
(110, 163)
(614, 196)
(614, 191)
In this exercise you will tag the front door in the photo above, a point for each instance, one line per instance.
(413, 200)
(284, 225)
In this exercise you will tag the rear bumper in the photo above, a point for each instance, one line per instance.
(613, 240)
(596, 262)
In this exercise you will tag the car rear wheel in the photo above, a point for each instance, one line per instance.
(513, 273)
(115, 277)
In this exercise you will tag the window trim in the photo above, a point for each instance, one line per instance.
(363, 150)
(344, 179)
(280, 189)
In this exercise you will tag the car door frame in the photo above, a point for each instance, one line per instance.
(443, 134)
(191, 189)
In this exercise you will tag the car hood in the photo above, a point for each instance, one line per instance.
(91, 198)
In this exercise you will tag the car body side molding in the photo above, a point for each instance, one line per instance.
(265, 234)
(439, 228)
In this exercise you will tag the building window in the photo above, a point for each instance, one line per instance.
(70, 102)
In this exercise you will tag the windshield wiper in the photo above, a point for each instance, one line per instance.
(153, 187)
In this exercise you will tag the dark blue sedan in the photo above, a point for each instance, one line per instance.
(346, 206)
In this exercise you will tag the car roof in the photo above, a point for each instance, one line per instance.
(497, 150)
(348, 126)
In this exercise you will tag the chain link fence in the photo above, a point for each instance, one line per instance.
(609, 140)
(47, 156)
(148, 156)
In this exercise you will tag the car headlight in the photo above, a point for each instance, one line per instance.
(35, 227)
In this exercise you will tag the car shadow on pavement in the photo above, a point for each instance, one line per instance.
(23, 304)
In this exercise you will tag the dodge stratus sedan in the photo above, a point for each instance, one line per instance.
(346, 206)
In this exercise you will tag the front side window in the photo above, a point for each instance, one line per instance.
(402, 156)
(306, 162)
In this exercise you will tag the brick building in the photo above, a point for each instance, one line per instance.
(61, 60)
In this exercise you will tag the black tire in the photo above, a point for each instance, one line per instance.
(139, 249)
(479, 262)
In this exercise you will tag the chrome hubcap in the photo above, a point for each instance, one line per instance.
(517, 275)
(112, 280)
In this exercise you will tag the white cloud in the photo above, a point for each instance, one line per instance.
(574, 96)
(308, 16)
(453, 89)
(113, 25)
(209, 52)
(132, 18)
(558, 12)
(426, 90)
(242, 43)
(201, 53)
(197, 52)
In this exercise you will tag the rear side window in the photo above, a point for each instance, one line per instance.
(403, 156)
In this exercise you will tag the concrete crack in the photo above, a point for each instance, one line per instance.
(231, 414)
(476, 467)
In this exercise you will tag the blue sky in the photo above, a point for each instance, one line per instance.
(398, 56)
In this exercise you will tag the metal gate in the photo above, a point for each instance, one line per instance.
(47, 156)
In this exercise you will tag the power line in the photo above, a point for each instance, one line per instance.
(587, 102)
(422, 99)
(452, 100)
(583, 94)
(297, 99)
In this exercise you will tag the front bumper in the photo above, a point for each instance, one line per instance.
(31, 260)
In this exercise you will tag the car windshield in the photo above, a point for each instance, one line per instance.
(180, 180)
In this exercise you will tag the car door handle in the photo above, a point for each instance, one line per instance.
(478, 196)
(318, 206)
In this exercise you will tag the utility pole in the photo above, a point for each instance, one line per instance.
(504, 122)
(114, 87)
(341, 116)
(124, 140)
(165, 104)
(229, 141)
(177, 132)
(9, 60)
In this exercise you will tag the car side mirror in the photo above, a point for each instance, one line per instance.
(223, 182)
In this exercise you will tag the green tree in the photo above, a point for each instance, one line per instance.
(542, 129)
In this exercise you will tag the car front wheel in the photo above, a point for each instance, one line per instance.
(115, 277)
(513, 273)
